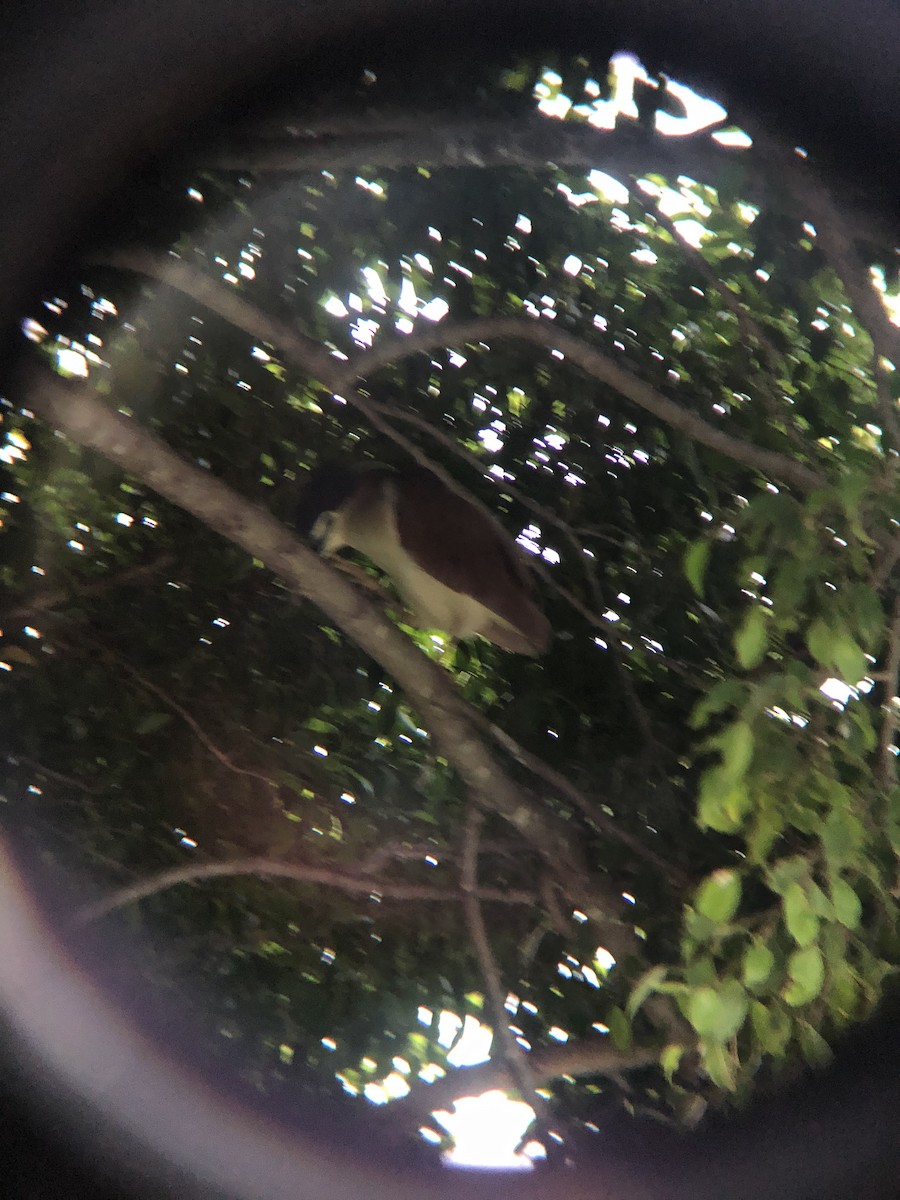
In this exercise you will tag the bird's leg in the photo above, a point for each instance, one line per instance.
(358, 574)
(363, 579)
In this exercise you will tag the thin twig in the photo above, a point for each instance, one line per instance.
(42, 601)
(592, 811)
(179, 709)
(68, 780)
(511, 1052)
(272, 868)
(887, 749)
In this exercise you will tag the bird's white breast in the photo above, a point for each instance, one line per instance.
(373, 531)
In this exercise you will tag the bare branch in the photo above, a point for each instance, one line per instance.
(591, 810)
(392, 139)
(887, 748)
(454, 727)
(594, 1057)
(303, 352)
(42, 601)
(598, 366)
(511, 1052)
(57, 776)
(532, 143)
(814, 203)
(192, 723)
(268, 868)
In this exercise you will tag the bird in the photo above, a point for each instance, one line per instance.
(452, 566)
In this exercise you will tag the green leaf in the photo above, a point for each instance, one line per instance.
(701, 971)
(815, 1049)
(767, 828)
(736, 743)
(758, 963)
(789, 589)
(719, 1066)
(647, 983)
(848, 657)
(718, 896)
(724, 694)
(772, 1027)
(819, 640)
(152, 722)
(722, 805)
(864, 604)
(806, 968)
(787, 871)
(717, 1014)
(842, 837)
(843, 995)
(619, 1029)
(801, 921)
(751, 639)
(670, 1059)
(696, 561)
(819, 902)
(847, 905)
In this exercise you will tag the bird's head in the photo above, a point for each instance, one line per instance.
(327, 493)
(327, 489)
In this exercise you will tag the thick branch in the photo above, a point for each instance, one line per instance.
(532, 143)
(306, 354)
(598, 366)
(834, 234)
(82, 416)
(595, 1057)
(268, 868)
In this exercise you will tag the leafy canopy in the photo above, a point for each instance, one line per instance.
(689, 427)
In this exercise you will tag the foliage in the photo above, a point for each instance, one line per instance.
(719, 685)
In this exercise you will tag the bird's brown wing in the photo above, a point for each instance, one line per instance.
(456, 544)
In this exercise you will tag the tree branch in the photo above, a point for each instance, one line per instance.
(887, 749)
(267, 868)
(511, 1052)
(599, 367)
(129, 576)
(306, 354)
(531, 143)
(814, 202)
(593, 812)
(192, 723)
(546, 1063)
(454, 728)
(57, 776)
